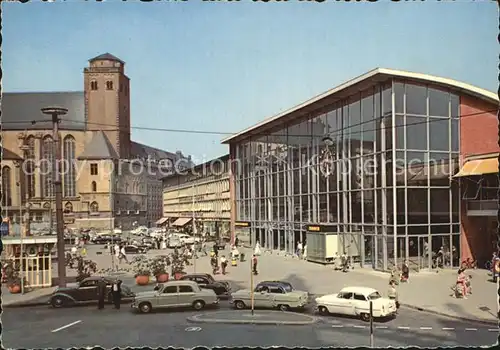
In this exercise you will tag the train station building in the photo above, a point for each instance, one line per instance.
(395, 165)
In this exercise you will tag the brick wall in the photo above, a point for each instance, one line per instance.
(478, 135)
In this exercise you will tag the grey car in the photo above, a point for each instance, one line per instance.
(175, 294)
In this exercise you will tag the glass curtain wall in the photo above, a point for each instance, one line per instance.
(384, 188)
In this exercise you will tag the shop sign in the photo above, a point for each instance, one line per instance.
(242, 224)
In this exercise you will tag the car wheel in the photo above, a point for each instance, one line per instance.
(323, 310)
(284, 307)
(239, 305)
(198, 305)
(365, 317)
(145, 308)
(58, 302)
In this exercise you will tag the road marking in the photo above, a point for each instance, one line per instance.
(66, 326)
(359, 326)
(402, 327)
(493, 330)
(337, 326)
(381, 327)
(426, 328)
(471, 329)
(447, 329)
(193, 329)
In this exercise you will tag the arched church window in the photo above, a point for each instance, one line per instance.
(109, 85)
(93, 85)
(94, 207)
(94, 186)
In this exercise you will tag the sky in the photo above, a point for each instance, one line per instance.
(222, 67)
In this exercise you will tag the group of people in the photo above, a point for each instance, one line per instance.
(118, 250)
(103, 293)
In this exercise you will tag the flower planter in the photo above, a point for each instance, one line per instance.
(142, 280)
(178, 275)
(15, 289)
(162, 278)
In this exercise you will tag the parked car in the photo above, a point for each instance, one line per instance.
(135, 249)
(271, 295)
(175, 294)
(174, 242)
(86, 292)
(221, 243)
(355, 301)
(105, 239)
(206, 281)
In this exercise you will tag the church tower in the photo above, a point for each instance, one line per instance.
(107, 101)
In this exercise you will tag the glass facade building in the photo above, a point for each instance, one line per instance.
(374, 164)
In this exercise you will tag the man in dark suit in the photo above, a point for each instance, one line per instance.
(117, 293)
(101, 293)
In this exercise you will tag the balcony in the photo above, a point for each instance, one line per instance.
(485, 207)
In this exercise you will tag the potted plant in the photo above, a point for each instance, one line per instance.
(142, 270)
(84, 267)
(12, 276)
(178, 264)
(159, 268)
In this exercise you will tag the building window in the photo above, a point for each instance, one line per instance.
(93, 85)
(109, 85)
(94, 186)
(93, 169)
(30, 167)
(94, 207)
(6, 188)
(47, 161)
(69, 172)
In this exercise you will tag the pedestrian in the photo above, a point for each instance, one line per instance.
(116, 251)
(393, 293)
(216, 250)
(223, 264)
(236, 242)
(123, 254)
(101, 293)
(299, 249)
(405, 272)
(257, 251)
(117, 293)
(214, 264)
(254, 264)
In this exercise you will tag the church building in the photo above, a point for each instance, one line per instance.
(109, 181)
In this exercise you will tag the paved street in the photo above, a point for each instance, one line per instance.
(87, 326)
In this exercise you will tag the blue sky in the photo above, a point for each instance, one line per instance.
(224, 66)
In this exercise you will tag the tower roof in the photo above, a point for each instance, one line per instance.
(106, 56)
(99, 148)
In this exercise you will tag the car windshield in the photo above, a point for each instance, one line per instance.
(374, 296)
(210, 279)
(288, 287)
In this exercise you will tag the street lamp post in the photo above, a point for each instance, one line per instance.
(194, 225)
(111, 223)
(55, 113)
(18, 183)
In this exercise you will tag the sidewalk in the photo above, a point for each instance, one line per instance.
(427, 291)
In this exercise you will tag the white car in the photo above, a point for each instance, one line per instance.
(355, 301)
(187, 239)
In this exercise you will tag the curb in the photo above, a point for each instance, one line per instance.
(197, 319)
(24, 304)
(468, 319)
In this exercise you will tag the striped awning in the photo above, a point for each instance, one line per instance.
(181, 221)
